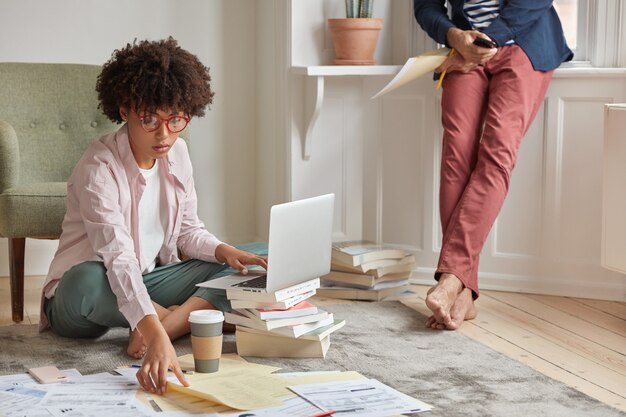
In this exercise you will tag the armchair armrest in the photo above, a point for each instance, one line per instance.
(9, 157)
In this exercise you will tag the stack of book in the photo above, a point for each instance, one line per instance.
(363, 270)
(282, 323)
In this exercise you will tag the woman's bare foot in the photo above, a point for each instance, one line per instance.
(441, 298)
(136, 345)
(462, 309)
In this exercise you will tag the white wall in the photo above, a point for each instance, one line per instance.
(220, 32)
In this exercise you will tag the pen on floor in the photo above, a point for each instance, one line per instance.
(169, 370)
(325, 414)
(443, 74)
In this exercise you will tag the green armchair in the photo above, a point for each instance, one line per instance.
(48, 117)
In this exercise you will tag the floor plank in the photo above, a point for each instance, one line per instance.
(5, 303)
(613, 308)
(563, 324)
(32, 293)
(587, 358)
(583, 312)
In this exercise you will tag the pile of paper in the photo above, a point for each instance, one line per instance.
(81, 396)
(239, 385)
(303, 394)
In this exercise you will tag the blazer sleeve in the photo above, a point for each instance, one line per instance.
(432, 16)
(98, 196)
(515, 18)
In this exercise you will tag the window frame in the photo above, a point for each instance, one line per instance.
(604, 34)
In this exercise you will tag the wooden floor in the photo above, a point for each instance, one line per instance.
(577, 341)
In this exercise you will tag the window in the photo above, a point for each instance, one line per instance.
(568, 12)
(594, 31)
(575, 17)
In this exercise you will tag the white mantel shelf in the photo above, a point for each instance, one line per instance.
(346, 70)
(314, 90)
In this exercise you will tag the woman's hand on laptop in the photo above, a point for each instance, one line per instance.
(238, 259)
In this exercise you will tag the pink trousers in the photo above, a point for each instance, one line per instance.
(485, 114)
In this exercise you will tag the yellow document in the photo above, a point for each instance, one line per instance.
(237, 384)
(416, 67)
(317, 378)
(173, 401)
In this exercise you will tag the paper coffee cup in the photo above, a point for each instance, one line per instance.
(206, 339)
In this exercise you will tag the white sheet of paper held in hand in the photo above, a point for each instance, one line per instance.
(415, 67)
(363, 398)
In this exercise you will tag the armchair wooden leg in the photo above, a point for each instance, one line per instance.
(16, 261)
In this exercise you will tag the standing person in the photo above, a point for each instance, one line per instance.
(490, 97)
(131, 203)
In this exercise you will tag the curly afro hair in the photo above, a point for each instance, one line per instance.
(151, 76)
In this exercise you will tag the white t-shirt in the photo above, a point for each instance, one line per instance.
(152, 220)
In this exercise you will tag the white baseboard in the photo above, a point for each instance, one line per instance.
(614, 291)
(39, 254)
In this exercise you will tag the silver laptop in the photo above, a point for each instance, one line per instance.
(299, 247)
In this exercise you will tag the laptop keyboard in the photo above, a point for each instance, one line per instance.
(258, 282)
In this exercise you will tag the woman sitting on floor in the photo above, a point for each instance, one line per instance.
(131, 203)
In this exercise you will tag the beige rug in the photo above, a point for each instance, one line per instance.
(386, 341)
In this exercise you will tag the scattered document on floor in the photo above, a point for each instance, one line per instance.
(71, 411)
(99, 390)
(293, 394)
(15, 398)
(81, 396)
(363, 398)
(415, 67)
(237, 384)
(292, 407)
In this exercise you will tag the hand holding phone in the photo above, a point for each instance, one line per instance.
(484, 43)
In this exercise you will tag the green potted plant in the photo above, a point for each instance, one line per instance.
(355, 37)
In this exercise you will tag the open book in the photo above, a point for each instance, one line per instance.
(416, 67)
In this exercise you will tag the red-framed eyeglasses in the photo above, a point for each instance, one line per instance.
(175, 124)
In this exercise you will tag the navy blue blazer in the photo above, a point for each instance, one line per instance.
(533, 24)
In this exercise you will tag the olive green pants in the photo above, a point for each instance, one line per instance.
(85, 306)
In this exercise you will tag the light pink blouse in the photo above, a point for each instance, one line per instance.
(101, 222)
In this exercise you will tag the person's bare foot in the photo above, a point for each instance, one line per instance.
(462, 309)
(136, 345)
(441, 298)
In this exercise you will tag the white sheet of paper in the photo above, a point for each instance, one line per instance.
(363, 398)
(415, 67)
(17, 399)
(291, 407)
(71, 411)
(98, 390)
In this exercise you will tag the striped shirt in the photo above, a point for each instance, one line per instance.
(481, 13)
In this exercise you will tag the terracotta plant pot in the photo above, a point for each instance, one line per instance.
(355, 40)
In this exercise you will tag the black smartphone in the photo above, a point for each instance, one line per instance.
(485, 43)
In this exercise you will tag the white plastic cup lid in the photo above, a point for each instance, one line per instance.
(206, 316)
